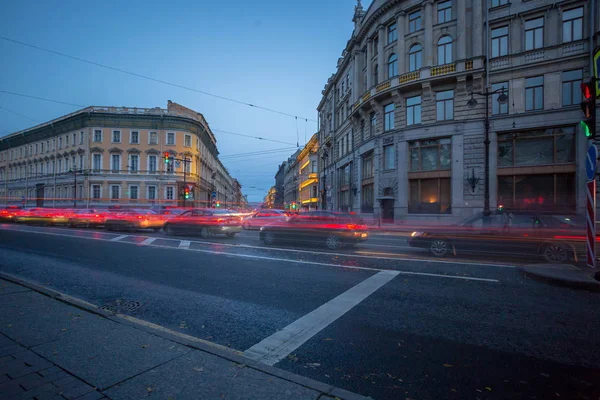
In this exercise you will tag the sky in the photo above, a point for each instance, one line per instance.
(272, 53)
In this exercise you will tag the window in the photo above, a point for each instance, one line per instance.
(152, 164)
(42, 147)
(151, 193)
(97, 162)
(362, 130)
(413, 110)
(59, 143)
(429, 196)
(66, 140)
(571, 81)
(392, 33)
(171, 167)
(388, 121)
(430, 155)
(115, 192)
(115, 163)
(414, 21)
(444, 104)
(367, 198)
(134, 137)
(97, 135)
(498, 108)
(36, 148)
(133, 192)
(414, 58)
(169, 192)
(66, 165)
(116, 137)
(534, 93)
(187, 141)
(537, 192)
(170, 138)
(444, 50)
(444, 11)
(534, 34)
(81, 162)
(373, 126)
(376, 74)
(153, 138)
(389, 157)
(500, 41)
(134, 161)
(96, 192)
(376, 45)
(81, 137)
(367, 167)
(498, 3)
(540, 147)
(572, 24)
(392, 65)
(345, 175)
(74, 139)
(314, 167)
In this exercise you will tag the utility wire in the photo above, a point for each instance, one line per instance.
(257, 153)
(149, 78)
(19, 114)
(42, 98)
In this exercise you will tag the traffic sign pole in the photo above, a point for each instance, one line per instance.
(590, 171)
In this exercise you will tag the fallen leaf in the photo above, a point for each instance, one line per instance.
(328, 339)
(327, 375)
(544, 375)
(63, 330)
(453, 390)
(479, 390)
(448, 365)
(149, 389)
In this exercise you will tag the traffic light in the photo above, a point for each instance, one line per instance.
(187, 192)
(294, 206)
(588, 106)
(218, 204)
(166, 157)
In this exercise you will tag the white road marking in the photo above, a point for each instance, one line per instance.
(148, 241)
(184, 244)
(277, 346)
(254, 257)
(115, 239)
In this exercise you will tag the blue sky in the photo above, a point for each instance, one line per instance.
(277, 54)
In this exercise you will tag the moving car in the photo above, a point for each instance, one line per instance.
(86, 217)
(43, 216)
(316, 227)
(8, 213)
(557, 237)
(133, 219)
(204, 222)
(263, 217)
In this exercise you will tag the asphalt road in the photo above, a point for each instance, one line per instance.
(382, 319)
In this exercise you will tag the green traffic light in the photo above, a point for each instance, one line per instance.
(586, 129)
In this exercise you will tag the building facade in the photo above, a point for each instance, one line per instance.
(290, 186)
(280, 186)
(105, 155)
(308, 179)
(402, 120)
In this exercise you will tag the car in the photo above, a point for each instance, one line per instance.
(315, 227)
(133, 219)
(86, 217)
(263, 217)
(7, 214)
(204, 222)
(42, 216)
(556, 237)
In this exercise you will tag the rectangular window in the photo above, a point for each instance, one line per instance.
(36, 148)
(151, 192)
(42, 147)
(80, 137)
(66, 140)
(373, 126)
(367, 167)
(534, 34)
(170, 138)
(314, 167)
(133, 192)
(153, 138)
(74, 139)
(362, 130)
(97, 135)
(97, 162)
(367, 198)
(392, 33)
(430, 155)
(534, 93)
(413, 110)
(115, 192)
(414, 21)
(498, 3)
(134, 161)
(116, 137)
(444, 11)
(169, 192)
(571, 87)
(66, 165)
(500, 41)
(135, 137)
(187, 141)
(543, 147)
(376, 44)
(388, 122)
(152, 164)
(444, 103)
(389, 157)
(429, 196)
(572, 24)
(81, 166)
(538, 192)
(498, 108)
(60, 143)
(96, 192)
(115, 163)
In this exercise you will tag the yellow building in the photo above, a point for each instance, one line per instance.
(308, 177)
(105, 155)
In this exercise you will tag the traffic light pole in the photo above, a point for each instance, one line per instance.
(184, 160)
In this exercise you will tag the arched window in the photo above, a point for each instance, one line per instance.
(444, 50)
(375, 74)
(392, 65)
(414, 57)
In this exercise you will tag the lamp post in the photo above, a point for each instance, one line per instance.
(472, 103)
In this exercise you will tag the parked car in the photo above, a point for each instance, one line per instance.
(133, 219)
(315, 227)
(264, 217)
(557, 237)
(204, 222)
(8, 213)
(87, 217)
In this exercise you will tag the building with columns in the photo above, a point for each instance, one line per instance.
(99, 156)
(402, 120)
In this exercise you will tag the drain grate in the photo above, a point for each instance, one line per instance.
(121, 306)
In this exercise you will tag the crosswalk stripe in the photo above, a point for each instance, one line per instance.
(184, 244)
(148, 241)
(116, 239)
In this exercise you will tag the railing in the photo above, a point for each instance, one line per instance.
(468, 65)
(366, 96)
(534, 56)
(410, 77)
(383, 86)
(443, 69)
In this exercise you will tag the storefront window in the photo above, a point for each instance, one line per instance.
(367, 198)
(430, 155)
(544, 147)
(547, 191)
(430, 196)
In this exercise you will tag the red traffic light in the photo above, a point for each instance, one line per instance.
(166, 157)
(588, 107)
(586, 90)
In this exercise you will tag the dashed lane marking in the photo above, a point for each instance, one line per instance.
(184, 244)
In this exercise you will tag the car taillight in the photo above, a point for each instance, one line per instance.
(140, 217)
(351, 226)
(97, 215)
(220, 220)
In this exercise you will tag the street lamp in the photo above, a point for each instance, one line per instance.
(472, 103)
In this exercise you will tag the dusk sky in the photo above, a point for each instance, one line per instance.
(270, 53)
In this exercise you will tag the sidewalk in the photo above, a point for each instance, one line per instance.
(56, 347)
(566, 275)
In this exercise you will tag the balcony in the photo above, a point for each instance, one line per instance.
(312, 175)
(550, 53)
(443, 69)
(383, 86)
(410, 77)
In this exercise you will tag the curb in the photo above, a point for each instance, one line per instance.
(190, 341)
(556, 281)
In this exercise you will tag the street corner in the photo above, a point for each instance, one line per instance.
(565, 275)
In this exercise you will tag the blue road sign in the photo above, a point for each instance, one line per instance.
(214, 195)
(591, 162)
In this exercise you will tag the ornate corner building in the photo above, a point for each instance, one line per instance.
(105, 155)
(402, 120)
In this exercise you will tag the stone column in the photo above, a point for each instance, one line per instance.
(369, 63)
(461, 22)
(401, 43)
(477, 23)
(428, 35)
(380, 56)
(356, 93)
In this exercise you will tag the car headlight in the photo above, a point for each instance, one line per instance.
(417, 234)
(261, 228)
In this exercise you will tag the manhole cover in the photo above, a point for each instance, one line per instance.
(121, 306)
